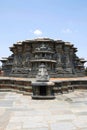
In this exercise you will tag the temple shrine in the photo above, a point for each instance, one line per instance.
(58, 56)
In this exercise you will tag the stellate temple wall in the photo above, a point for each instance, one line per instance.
(59, 57)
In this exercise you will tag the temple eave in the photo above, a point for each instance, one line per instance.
(43, 60)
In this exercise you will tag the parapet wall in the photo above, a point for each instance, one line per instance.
(15, 84)
(23, 85)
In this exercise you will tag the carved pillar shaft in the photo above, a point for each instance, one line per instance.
(59, 58)
(68, 66)
(67, 55)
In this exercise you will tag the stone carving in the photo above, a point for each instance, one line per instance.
(19, 48)
(42, 74)
(42, 87)
(59, 57)
(19, 59)
(43, 47)
(26, 60)
(15, 60)
(27, 48)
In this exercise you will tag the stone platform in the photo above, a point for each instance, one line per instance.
(43, 97)
(66, 112)
(23, 85)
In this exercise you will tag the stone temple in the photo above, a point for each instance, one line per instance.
(27, 76)
(58, 56)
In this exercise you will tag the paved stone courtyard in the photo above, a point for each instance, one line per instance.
(66, 112)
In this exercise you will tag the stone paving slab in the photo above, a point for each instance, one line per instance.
(66, 112)
(63, 126)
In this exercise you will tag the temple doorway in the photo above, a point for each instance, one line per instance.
(43, 90)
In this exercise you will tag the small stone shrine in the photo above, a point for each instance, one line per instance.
(58, 56)
(42, 87)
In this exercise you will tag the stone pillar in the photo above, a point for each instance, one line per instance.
(15, 60)
(37, 91)
(59, 68)
(68, 67)
(72, 59)
(19, 55)
(26, 55)
(49, 90)
(75, 60)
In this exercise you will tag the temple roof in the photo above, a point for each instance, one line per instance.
(20, 43)
(43, 39)
(82, 60)
(68, 44)
(4, 59)
(39, 39)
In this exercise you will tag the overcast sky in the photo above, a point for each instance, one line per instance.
(57, 19)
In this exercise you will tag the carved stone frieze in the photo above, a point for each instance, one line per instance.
(58, 56)
(26, 59)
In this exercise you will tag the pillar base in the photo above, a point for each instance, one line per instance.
(42, 97)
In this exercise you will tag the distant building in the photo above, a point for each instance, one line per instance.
(58, 56)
